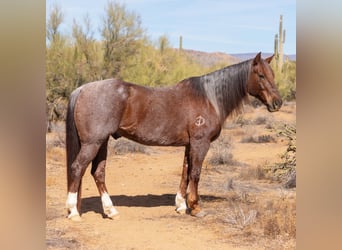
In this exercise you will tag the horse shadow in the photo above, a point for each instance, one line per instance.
(94, 204)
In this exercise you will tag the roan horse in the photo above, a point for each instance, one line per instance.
(190, 114)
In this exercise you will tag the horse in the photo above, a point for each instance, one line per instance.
(190, 113)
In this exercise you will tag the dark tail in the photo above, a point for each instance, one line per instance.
(73, 145)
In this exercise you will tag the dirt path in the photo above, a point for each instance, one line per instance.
(143, 187)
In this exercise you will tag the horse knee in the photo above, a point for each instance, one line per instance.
(76, 170)
(98, 168)
(195, 175)
(98, 174)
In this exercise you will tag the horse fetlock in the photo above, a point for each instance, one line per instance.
(71, 200)
(71, 205)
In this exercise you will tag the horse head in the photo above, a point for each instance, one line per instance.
(261, 83)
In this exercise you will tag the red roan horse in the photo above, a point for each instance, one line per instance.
(190, 114)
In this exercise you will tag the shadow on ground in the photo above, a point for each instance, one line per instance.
(150, 200)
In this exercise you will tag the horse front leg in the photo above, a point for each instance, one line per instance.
(99, 174)
(198, 151)
(180, 201)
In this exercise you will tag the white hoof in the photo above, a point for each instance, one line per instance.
(111, 212)
(181, 210)
(75, 217)
(73, 214)
(180, 204)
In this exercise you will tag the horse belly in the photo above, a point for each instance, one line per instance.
(150, 118)
(155, 134)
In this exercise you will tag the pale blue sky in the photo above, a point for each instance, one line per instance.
(206, 25)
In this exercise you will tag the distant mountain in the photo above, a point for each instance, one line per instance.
(246, 56)
(210, 59)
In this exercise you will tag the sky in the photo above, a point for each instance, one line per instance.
(206, 25)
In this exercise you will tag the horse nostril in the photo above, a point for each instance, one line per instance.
(277, 103)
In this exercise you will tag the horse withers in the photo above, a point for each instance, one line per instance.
(190, 114)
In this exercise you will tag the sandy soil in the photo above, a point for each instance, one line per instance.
(143, 187)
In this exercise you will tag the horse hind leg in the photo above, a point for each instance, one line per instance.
(78, 167)
(98, 172)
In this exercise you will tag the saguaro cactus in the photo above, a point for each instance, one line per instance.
(279, 40)
(180, 44)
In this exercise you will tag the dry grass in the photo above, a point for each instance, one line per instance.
(279, 218)
(255, 219)
(253, 173)
(55, 139)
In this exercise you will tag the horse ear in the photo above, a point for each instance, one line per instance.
(269, 59)
(257, 59)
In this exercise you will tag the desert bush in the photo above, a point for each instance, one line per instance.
(260, 120)
(56, 137)
(124, 146)
(222, 152)
(286, 169)
(240, 218)
(286, 81)
(258, 139)
(241, 121)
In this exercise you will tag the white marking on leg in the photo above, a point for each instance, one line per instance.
(180, 203)
(107, 205)
(71, 204)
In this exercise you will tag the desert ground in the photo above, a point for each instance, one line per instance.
(247, 206)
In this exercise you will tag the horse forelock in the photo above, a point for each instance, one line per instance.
(224, 88)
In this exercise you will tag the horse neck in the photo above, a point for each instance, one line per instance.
(226, 88)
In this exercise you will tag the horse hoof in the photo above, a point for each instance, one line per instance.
(112, 213)
(181, 210)
(75, 218)
(200, 214)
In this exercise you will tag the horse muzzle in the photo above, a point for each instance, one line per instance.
(275, 105)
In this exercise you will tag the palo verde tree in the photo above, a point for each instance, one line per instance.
(87, 56)
(56, 65)
(121, 32)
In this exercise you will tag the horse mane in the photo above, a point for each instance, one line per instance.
(225, 88)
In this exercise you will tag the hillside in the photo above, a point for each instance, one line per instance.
(210, 59)
(246, 56)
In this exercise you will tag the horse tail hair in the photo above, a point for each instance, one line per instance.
(73, 144)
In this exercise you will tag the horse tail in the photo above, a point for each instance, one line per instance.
(73, 144)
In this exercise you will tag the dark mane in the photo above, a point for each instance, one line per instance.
(225, 88)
